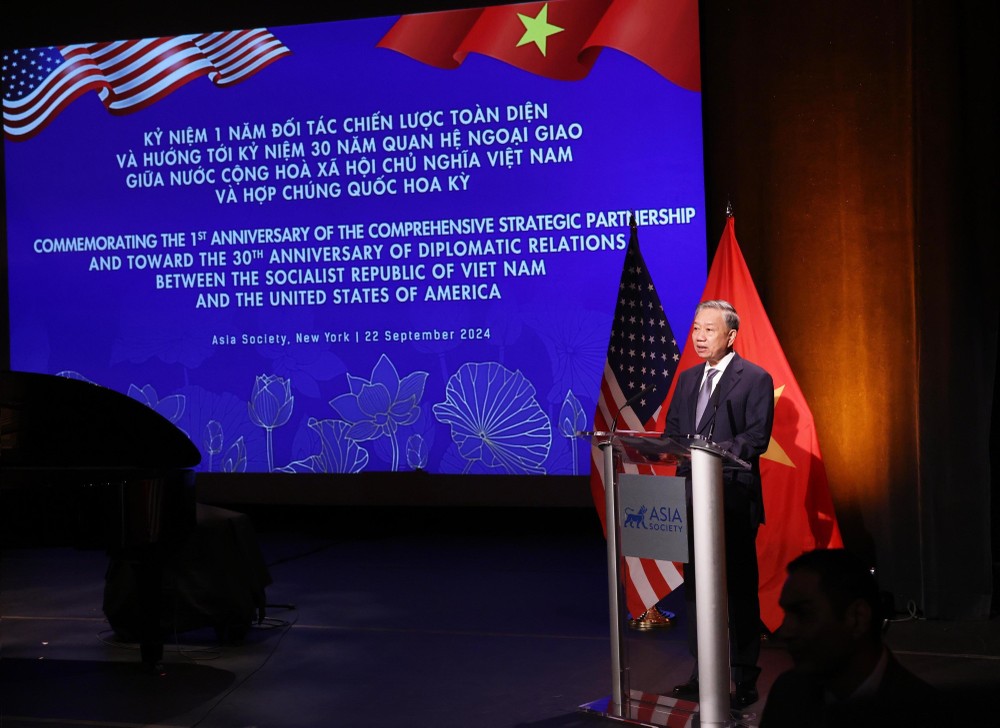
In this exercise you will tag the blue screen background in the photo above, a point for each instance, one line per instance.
(498, 386)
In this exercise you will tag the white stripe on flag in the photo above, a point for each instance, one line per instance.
(639, 580)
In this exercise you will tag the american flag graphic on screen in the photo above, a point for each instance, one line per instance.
(642, 357)
(127, 75)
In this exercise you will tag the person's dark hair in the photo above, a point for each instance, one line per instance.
(729, 314)
(843, 578)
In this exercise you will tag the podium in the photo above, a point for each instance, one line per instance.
(706, 458)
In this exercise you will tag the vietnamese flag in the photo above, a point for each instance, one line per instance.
(797, 505)
(559, 39)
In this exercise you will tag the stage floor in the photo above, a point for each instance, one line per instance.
(468, 618)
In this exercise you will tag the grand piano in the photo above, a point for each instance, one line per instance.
(127, 471)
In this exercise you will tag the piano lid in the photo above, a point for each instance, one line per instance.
(48, 421)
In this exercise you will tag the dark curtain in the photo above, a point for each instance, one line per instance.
(955, 85)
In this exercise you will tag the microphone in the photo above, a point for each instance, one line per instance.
(732, 418)
(711, 427)
(629, 402)
(715, 413)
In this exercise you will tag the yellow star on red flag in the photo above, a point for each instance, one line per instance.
(774, 451)
(538, 29)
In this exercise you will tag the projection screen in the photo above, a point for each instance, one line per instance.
(369, 245)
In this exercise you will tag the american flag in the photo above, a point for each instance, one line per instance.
(127, 75)
(661, 710)
(642, 357)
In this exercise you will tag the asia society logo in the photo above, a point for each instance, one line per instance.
(660, 518)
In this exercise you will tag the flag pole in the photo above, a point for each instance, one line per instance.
(631, 397)
(618, 673)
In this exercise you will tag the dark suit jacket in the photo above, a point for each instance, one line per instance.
(738, 418)
(796, 700)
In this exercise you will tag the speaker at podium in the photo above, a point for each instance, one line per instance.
(626, 509)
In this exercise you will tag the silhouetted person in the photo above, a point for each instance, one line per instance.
(844, 674)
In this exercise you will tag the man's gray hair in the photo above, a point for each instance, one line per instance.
(728, 312)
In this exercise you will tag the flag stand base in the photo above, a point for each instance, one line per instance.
(658, 711)
(647, 709)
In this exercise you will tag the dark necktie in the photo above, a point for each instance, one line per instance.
(704, 395)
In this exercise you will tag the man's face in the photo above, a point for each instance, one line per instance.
(818, 639)
(711, 337)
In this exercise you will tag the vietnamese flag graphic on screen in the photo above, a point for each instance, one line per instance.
(560, 40)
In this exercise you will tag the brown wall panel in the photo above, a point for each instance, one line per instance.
(809, 133)
(857, 147)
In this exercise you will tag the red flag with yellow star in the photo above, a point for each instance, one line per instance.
(797, 502)
(559, 39)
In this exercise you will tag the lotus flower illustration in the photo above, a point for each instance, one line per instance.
(495, 418)
(236, 458)
(379, 406)
(416, 452)
(270, 406)
(171, 406)
(572, 419)
(213, 440)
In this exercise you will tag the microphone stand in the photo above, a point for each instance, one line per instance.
(628, 403)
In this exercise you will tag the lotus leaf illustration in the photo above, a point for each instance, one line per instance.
(338, 453)
(495, 418)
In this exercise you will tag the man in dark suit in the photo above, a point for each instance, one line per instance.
(844, 675)
(729, 401)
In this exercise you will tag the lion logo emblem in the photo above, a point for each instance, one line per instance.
(635, 519)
